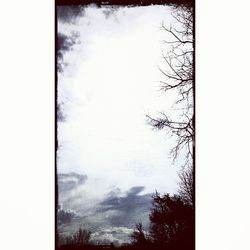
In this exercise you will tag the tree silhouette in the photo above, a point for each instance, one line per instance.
(173, 217)
(186, 185)
(80, 238)
(172, 222)
(139, 238)
(179, 78)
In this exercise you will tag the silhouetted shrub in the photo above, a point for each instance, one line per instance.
(172, 222)
(139, 236)
(80, 238)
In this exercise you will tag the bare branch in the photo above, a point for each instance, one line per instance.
(179, 76)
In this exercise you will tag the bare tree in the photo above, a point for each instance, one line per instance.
(138, 236)
(80, 238)
(186, 185)
(179, 77)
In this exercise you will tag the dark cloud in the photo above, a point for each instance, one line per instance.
(135, 190)
(65, 43)
(108, 12)
(130, 209)
(113, 218)
(69, 14)
(60, 113)
(69, 181)
(65, 216)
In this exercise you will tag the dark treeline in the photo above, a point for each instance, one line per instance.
(171, 224)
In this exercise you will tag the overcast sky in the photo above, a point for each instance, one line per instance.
(109, 82)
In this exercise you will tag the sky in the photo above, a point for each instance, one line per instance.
(108, 81)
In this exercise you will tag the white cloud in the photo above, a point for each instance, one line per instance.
(113, 234)
(110, 83)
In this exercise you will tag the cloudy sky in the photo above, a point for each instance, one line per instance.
(108, 80)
